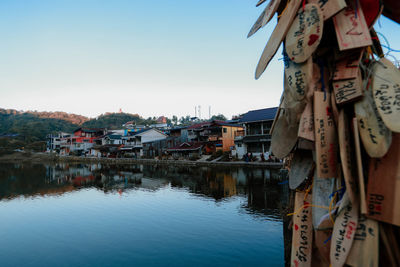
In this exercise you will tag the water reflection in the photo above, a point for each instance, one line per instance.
(261, 186)
(139, 215)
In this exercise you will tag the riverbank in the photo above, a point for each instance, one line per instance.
(45, 157)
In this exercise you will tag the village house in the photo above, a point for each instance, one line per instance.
(54, 141)
(255, 137)
(81, 141)
(186, 150)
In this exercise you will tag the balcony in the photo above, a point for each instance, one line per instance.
(257, 138)
(239, 135)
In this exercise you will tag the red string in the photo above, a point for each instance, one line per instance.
(304, 5)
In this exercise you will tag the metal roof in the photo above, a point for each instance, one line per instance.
(265, 114)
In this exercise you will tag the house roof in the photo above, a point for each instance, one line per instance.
(145, 130)
(186, 146)
(90, 130)
(114, 136)
(265, 114)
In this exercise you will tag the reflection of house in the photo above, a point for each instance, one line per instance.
(255, 137)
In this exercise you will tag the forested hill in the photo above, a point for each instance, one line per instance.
(34, 126)
(115, 120)
(72, 118)
(31, 128)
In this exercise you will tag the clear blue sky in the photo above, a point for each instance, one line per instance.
(148, 57)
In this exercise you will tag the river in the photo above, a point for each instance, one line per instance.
(140, 215)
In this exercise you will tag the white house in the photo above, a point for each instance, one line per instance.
(150, 135)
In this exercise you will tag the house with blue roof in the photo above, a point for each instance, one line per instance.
(255, 137)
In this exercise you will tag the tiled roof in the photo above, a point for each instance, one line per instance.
(187, 146)
(259, 115)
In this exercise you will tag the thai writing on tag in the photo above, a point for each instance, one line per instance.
(343, 232)
(302, 232)
(347, 90)
(384, 100)
(325, 136)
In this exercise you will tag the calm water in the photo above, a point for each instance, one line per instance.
(93, 215)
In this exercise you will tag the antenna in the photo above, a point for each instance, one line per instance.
(209, 112)
(199, 112)
(195, 111)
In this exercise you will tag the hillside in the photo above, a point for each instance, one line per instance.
(72, 118)
(115, 120)
(31, 128)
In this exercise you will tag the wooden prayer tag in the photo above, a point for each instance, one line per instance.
(297, 76)
(260, 2)
(346, 155)
(321, 189)
(306, 126)
(365, 248)
(265, 16)
(351, 29)
(305, 33)
(302, 232)
(386, 91)
(284, 137)
(329, 7)
(383, 194)
(347, 90)
(344, 230)
(347, 68)
(375, 136)
(325, 136)
(300, 167)
(323, 237)
(277, 36)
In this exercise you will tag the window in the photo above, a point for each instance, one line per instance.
(225, 130)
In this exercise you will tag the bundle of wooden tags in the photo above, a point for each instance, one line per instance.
(338, 89)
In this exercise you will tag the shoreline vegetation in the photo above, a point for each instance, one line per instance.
(49, 158)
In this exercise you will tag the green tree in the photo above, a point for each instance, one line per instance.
(219, 117)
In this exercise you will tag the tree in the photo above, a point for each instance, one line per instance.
(219, 117)
(175, 119)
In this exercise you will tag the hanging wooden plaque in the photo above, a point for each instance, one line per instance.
(323, 237)
(297, 76)
(302, 232)
(347, 90)
(360, 170)
(344, 230)
(305, 33)
(325, 136)
(375, 136)
(277, 36)
(329, 8)
(306, 126)
(300, 167)
(348, 67)
(322, 188)
(346, 155)
(386, 91)
(383, 194)
(365, 248)
(260, 2)
(265, 16)
(351, 29)
(284, 137)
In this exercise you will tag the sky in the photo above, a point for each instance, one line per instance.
(152, 58)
